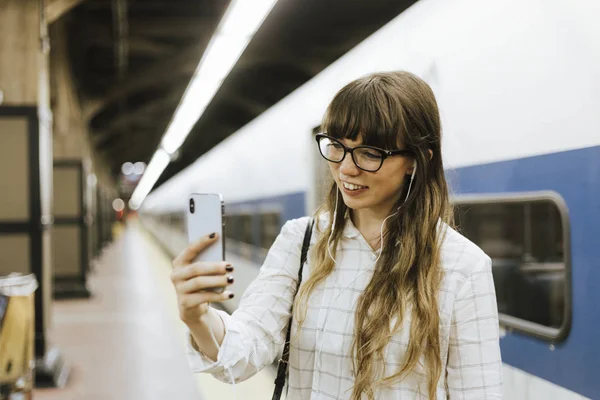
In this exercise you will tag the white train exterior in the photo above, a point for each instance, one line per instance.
(518, 86)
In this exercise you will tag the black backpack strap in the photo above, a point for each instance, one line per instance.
(283, 362)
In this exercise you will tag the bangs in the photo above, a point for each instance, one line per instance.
(364, 110)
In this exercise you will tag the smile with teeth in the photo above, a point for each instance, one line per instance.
(350, 186)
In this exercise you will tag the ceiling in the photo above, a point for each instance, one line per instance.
(132, 60)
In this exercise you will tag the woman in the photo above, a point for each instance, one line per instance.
(394, 303)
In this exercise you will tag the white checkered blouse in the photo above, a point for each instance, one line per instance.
(320, 364)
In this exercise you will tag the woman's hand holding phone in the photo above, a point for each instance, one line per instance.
(195, 281)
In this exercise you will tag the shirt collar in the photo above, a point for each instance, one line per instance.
(350, 231)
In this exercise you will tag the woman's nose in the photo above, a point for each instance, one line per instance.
(347, 166)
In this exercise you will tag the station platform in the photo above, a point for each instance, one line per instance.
(126, 341)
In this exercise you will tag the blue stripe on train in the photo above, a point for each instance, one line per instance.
(575, 175)
(291, 205)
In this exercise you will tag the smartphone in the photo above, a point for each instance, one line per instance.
(205, 216)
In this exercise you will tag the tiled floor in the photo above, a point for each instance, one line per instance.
(127, 342)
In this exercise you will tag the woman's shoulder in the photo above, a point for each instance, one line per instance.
(460, 255)
(295, 226)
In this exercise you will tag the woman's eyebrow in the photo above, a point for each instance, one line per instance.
(345, 141)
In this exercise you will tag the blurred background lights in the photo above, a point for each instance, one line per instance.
(127, 168)
(133, 205)
(138, 168)
(118, 205)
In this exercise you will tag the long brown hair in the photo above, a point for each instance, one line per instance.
(386, 109)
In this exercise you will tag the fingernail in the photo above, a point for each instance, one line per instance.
(230, 279)
(231, 295)
(212, 235)
(229, 267)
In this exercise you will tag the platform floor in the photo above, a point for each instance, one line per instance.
(127, 342)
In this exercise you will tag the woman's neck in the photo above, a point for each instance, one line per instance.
(368, 222)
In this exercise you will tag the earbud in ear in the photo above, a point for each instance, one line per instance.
(412, 177)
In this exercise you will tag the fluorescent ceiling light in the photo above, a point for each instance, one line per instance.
(157, 165)
(241, 20)
(245, 16)
(221, 55)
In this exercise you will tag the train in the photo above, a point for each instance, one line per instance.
(518, 87)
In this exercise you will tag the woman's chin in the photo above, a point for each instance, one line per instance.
(354, 203)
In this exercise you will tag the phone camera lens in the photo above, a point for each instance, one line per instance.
(192, 206)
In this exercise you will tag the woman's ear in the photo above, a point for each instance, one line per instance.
(411, 170)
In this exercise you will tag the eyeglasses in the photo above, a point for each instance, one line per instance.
(367, 158)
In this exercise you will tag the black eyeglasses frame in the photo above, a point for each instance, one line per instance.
(384, 153)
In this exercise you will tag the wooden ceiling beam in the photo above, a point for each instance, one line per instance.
(174, 27)
(140, 45)
(137, 45)
(125, 119)
(165, 70)
(168, 27)
(137, 144)
(57, 8)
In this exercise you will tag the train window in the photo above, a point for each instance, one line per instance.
(232, 227)
(229, 228)
(244, 226)
(527, 238)
(269, 228)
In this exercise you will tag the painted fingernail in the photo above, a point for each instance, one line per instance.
(230, 279)
(231, 295)
(212, 235)
(229, 267)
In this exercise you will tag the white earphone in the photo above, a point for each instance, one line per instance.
(412, 177)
